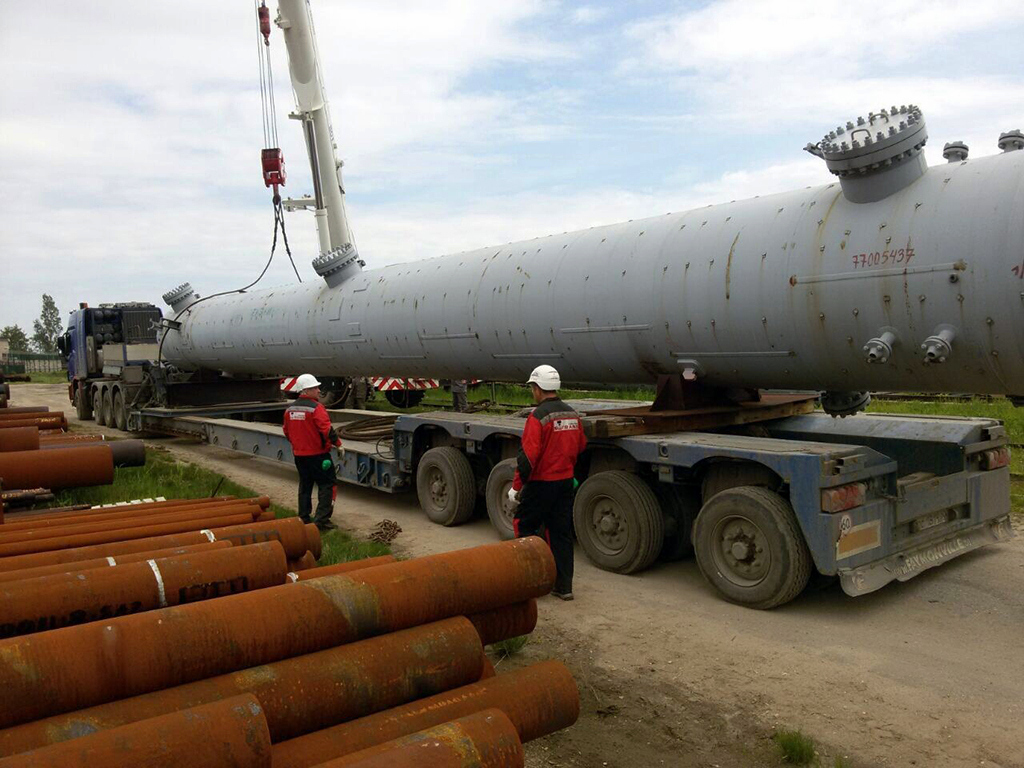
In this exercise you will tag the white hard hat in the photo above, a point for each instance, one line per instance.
(306, 381)
(545, 377)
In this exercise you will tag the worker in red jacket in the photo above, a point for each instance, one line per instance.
(308, 428)
(543, 484)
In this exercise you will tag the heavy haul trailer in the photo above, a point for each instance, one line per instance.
(870, 498)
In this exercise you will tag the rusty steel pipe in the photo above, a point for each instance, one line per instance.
(42, 523)
(301, 694)
(55, 422)
(66, 512)
(508, 621)
(25, 409)
(230, 733)
(289, 531)
(79, 597)
(303, 563)
(127, 453)
(482, 740)
(125, 523)
(66, 439)
(109, 562)
(331, 570)
(19, 439)
(314, 543)
(115, 534)
(27, 412)
(76, 667)
(59, 468)
(539, 700)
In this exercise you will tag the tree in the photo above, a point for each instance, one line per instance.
(16, 337)
(47, 329)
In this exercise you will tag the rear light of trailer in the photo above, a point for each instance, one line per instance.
(843, 497)
(995, 458)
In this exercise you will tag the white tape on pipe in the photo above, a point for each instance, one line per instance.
(208, 534)
(111, 561)
(159, 582)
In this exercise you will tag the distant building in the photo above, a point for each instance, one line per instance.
(5, 349)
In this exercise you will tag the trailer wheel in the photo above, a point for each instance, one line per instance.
(98, 411)
(499, 509)
(119, 414)
(680, 506)
(83, 403)
(750, 548)
(618, 521)
(404, 398)
(445, 486)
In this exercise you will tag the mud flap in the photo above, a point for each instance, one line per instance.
(907, 565)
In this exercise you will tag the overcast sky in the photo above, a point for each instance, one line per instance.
(130, 131)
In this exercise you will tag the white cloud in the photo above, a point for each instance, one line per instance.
(588, 14)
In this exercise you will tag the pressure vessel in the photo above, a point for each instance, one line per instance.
(894, 277)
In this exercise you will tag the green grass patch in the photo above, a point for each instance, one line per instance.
(794, 747)
(163, 475)
(511, 646)
(341, 547)
(48, 377)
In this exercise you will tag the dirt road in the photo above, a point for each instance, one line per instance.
(925, 673)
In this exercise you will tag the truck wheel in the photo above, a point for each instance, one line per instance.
(618, 521)
(83, 403)
(97, 407)
(404, 398)
(445, 486)
(119, 414)
(499, 508)
(750, 548)
(108, 407)
(680, 506)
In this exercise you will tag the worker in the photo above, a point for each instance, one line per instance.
(358, 391)
(459, 400)
(308, 428)
(543, 484)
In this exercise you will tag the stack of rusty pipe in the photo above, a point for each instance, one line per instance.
(373, 663)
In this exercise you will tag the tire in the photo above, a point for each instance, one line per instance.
(119, 414)
(618, 520)
(404, 398)
(733, 474)
(108, 407)
(83, 403)
(99, 413)
(775, 564)
(499, 509)
(680, 505)
(445, 486)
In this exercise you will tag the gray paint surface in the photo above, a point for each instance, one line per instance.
(782, 291)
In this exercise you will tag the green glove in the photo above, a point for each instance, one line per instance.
(326, 465)
(575, 483)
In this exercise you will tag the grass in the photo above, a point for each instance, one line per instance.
(511, 646)
(48, 377)
(794, 747)
(165, 476)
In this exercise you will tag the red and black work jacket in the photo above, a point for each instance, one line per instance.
(308, 427)
(552, 440)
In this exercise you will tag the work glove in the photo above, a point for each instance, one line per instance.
(513, 495)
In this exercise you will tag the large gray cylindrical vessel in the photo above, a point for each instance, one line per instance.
(922, 290)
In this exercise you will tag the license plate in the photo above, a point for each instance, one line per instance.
(929, 521)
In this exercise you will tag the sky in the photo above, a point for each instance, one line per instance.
(130, 131)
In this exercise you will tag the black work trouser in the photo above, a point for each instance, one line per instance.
(319, 471)
(547, 505)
